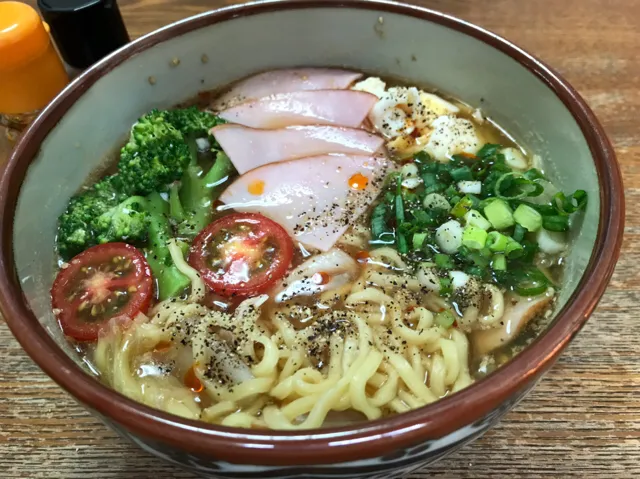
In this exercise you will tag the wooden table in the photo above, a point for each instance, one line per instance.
(583, 420)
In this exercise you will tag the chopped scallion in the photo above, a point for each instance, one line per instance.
(401, 240)
(449, 236)
(445, 287)
(445, 319)
(514, 186)
(450, 192)
(462, 206)
(474, 187)
(443, 261)
(436, 201)
(474, 238)
(555, 223)
(572, 203)
(528, 218)
(401, 243)
(534, 174)
(499, 214)
(479, 259)
(429, 179)
(399, 209)
(380, 232)
(488, 150)
(475, 218)
(478, 271)
(409, 170)
(514, 249)
(530, 282)
(461, 174)
(418, 240)
(518, 233)
(499, 262)
(497, 241)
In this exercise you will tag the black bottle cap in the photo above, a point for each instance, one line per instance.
(85, 31)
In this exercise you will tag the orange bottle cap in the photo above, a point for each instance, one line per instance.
(23, 36)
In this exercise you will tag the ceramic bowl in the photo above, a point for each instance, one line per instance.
(93, 115)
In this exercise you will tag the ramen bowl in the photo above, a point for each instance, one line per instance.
(89, 118)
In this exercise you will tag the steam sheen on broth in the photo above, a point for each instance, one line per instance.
(311, 247)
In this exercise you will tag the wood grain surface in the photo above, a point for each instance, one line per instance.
(583, 420)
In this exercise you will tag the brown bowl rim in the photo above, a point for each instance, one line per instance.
(335, 445)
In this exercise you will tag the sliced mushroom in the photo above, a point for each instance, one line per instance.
(517, 313)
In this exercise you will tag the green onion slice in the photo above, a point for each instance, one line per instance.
(523, 187)
(445, 319)
(530, 282)
(572, 203)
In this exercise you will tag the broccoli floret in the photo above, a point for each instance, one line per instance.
(76, 229)
(161, 149)
(197, 195)
(170, 281)
(161, 145)
(101, 214)
(74, 233)
(191, 200)
(155, 155)
(193, 123)
(128, 221)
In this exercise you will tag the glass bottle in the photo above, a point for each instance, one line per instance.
(31, 72)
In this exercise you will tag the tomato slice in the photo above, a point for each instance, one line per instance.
(242, 254)
(111, 280)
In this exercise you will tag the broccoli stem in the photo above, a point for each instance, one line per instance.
(175, 206)
(199, 191)
(170, 281)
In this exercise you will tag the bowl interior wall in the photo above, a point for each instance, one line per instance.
(415, 50)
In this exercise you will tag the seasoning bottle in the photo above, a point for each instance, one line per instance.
(85, 31)
(31, 72)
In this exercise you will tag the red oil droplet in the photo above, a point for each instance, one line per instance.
(358, 181)
(162, 347)
(192, 381)
(321, 278)
(362, 256)
(256, 187)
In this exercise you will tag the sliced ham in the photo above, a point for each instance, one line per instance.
(250, 148)
(315, 199)
(285, 81)
(321, 107)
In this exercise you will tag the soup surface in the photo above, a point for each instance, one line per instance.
(311, 247)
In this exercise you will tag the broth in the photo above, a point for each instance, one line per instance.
(369, 266)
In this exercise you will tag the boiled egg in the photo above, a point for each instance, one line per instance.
(413, 120)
